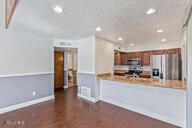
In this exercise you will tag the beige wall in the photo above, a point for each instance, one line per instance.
(154, 46)
(104, 56)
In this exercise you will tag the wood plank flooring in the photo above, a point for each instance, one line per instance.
(69, 111)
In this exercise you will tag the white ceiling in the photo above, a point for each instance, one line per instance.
(117, 18)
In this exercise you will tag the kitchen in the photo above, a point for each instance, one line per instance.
(148, 82)
(144, 63)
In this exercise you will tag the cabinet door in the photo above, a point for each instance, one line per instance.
(130, 55)
(138, 55)
(118, 58)
(123, 58)
(158, 52)
(146, 59)
(115, 59)
(164, 51)
(172, 51)
(153, 52)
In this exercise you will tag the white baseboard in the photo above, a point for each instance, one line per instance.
(94, 100)
(25, 104)
(153, 115)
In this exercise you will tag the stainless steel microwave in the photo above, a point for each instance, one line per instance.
(134, 62)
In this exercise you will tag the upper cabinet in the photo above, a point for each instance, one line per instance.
(146, 58)
(172, 51)
(130, 55)
(117, 59)
(121, 58)
(160, 52)
(124, 58)
(138, 54)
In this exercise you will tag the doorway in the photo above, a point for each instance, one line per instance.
(72, 68)
(65, 67)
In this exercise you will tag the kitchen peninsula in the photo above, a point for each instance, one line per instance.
(174, 84)
(161, 99)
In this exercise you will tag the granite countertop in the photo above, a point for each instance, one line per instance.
(175, 84)
(120, 71)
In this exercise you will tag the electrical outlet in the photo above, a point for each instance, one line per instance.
(34, 93)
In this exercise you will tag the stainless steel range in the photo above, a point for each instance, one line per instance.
(132, 70)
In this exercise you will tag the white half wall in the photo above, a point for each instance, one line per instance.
(165, 104)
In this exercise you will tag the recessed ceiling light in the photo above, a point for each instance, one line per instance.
(98, 29)
(58, 9)
(151, 11)
(120, 38)
(159, 31)
(131, 44)
(163, 40)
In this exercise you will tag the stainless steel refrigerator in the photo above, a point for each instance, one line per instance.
(167, 66)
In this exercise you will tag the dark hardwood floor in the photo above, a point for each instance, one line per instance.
(68, 111)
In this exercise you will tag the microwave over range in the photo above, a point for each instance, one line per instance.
(134, 62)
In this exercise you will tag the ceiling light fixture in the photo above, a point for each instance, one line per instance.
(58, 9)
(151, 11)
(163, 40)
(131, 44)
(159, 31)
(98, 29)
(120, 38)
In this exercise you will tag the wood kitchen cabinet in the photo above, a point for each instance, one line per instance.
(172, 51)
(138, 54)
(160, 52)
(124, 59)
(117, 59)
(153, 52)
(121, 58)
(146, 58)
(130, 55)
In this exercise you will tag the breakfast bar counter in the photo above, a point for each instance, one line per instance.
(161, 99)
(175, 84)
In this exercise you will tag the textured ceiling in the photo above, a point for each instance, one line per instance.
(117, 18)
